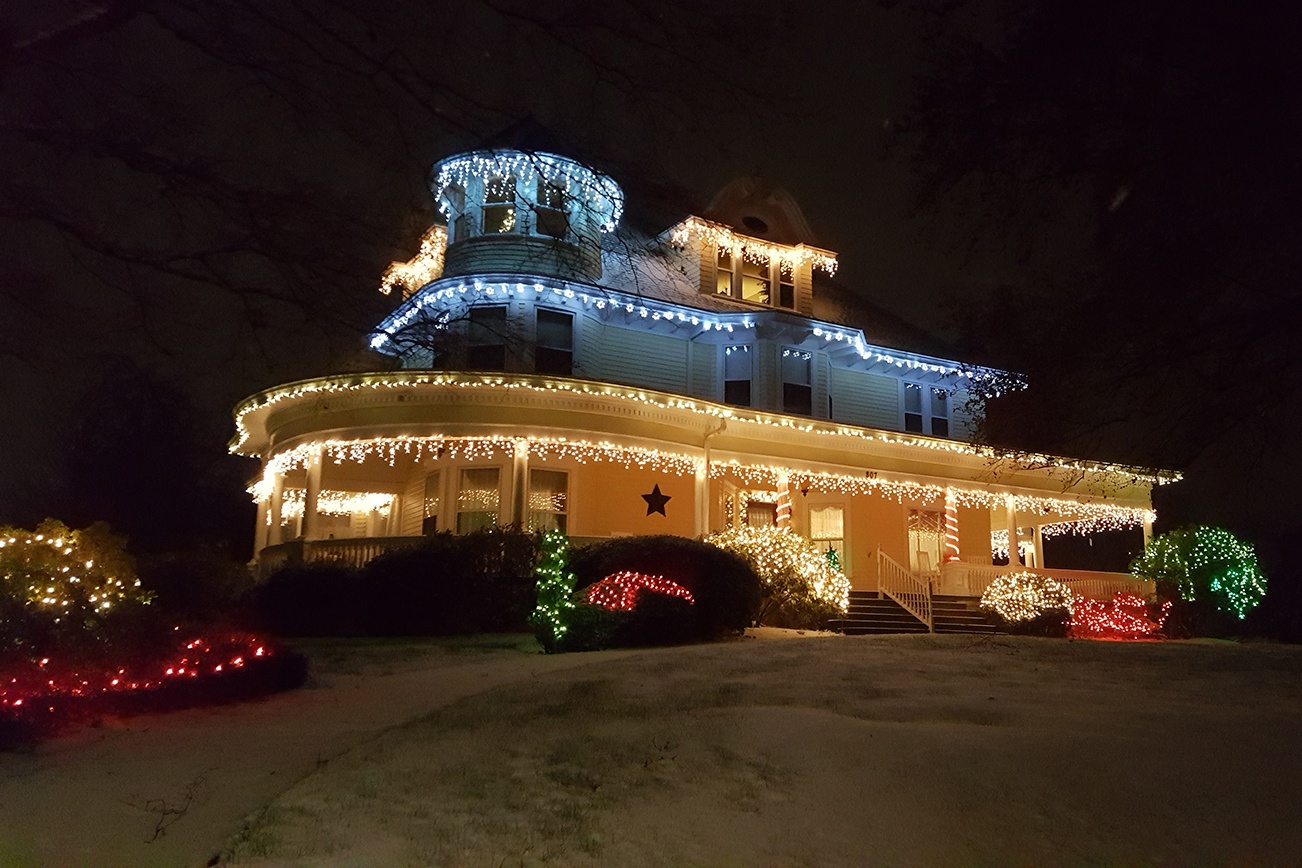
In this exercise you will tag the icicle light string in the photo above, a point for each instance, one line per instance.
(326, 387)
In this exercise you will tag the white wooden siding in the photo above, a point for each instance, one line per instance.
(413, 506)
(865, 399)
(642, 359)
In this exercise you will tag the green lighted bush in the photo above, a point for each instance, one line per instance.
(1207, 564)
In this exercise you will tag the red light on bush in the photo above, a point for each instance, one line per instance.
(1126, 617)
(619, 591)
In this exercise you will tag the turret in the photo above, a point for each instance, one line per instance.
(520, 212)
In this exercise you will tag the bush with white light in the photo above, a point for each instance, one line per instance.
(800, 588)
(1024, 596)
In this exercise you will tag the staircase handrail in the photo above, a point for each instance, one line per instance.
(912, 592)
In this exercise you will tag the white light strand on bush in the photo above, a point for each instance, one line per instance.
(426, 266)
(753, 249)
(598, 193)
(405, 380)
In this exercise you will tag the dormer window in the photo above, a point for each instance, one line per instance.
(753, 276)
(499, 205)
(552, 216)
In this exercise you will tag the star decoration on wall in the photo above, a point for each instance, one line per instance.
(655, 501)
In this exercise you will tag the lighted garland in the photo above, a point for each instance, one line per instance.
(660, 400)
(1202, 562)
(621, 591)
(599, 193)
(73, 576)
(337, 502)
(555, 590)
(1025, 596)
(425, 267)
(781, 557)
(752, 249)
(1126, 617)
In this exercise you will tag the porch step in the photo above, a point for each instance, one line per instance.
(869, 613)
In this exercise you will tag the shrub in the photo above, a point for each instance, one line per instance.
(1030, 603)
(1201, 563)
(199, 583)
(799, 587)
(444, 585)
(63, 586)
(725, 588)
(1126, 617)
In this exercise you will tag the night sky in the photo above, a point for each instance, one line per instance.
(198, 199)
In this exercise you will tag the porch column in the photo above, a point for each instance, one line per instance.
(1013, 560)
(951, 527)
(784, 503)
(311, 520)
(520, 484)
(1148, 530)
(262, 527)
(274, 536)
(701, 488)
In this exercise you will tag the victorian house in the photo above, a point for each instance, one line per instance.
(547, 367)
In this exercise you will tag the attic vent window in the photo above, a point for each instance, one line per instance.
(755, 224)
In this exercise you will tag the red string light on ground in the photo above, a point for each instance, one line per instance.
(203, 656)
(1126, 617)
(619, 591)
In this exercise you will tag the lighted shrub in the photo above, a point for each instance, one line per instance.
(1125, 617)
(1207, 564)
(725, 588)
(1030, 600)
(59, 585)
(799, 588)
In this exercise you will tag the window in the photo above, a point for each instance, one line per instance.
(736, 375)
(939, 412)
(430, 508)
(486, 342)
(827, 529)
(459, 222)
(755, 279)
(552, 217)
(797, 391)
(499, 205)
(913, 408)
(554, 350)
(926, 410)
(478, 499)
(926, 539)
(548, 500)
(761, 508)
(752, 277)
(723, 273)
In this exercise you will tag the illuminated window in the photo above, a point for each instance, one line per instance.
(499, 205)
(752, 277)
(430, 507)
(548, 500)
(486, 341)
(478, 499)
(926, 539)
(926, 410)
(761, 509)
(552, 218)
(827, 528)
(797, 388)
(554, 349)
(723, 273)
(737, 375)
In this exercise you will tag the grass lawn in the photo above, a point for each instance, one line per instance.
(864, 750)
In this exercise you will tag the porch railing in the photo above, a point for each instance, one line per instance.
(973, 579)
(345, 552)
(911, 592)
